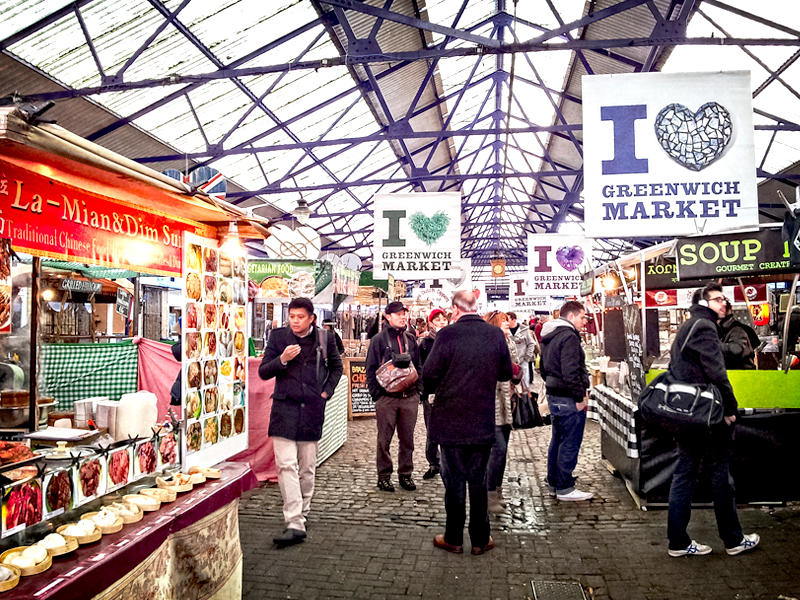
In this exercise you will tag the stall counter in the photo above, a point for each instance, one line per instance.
(161, 555)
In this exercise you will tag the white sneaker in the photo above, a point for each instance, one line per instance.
(694, 549)
(749, 542)
(575, 496)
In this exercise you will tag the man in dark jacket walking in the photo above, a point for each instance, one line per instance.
(563, 368)
(696, 357)
(468, 359)
(396, 410)
(306, 366)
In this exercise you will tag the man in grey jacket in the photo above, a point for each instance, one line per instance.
(527, 348)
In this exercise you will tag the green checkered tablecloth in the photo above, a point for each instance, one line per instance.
(73, 372)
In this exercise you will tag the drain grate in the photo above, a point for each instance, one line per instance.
(557, 590)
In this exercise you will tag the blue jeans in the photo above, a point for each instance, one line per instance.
(496, 468)
(565, 443)
(462, 467)
(713, 452)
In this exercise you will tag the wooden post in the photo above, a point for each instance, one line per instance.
(33, 376)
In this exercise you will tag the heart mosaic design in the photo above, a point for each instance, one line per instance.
(429, 229)
(694, 140)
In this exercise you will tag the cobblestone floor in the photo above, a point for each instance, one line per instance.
(364, 543)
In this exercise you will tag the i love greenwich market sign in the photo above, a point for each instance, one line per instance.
(417, 236)
(668, 154)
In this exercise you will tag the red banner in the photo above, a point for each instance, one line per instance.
(661, 299)
(756, 293)
(49, 218)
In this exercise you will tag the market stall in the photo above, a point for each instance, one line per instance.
(769, 397)
(64, 198)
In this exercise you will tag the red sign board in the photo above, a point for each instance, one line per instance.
(661, 298)
(49, 218)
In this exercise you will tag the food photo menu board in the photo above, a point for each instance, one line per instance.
(214, 359)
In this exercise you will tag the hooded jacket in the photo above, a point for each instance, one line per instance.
(701, 360)
(527, 345)
(563, 364)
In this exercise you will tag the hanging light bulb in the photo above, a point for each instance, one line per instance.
(233, 245)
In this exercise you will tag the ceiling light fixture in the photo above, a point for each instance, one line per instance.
(301, 212)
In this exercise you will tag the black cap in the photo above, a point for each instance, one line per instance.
(395, 307)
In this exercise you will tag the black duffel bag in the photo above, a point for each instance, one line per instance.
(681, 408)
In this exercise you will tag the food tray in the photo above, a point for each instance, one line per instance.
(10, 583)
(174, 488)
(197, 478)
(137, 516)
(160, 494)
(117, 526)
(72, 545)
(82, 539)
(147, 508)
(27, 571)
(207, 472)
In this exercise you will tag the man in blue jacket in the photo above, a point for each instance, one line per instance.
(563, 368)
(468, 359)
(306, 366)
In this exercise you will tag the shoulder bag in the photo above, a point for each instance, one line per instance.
(681, 408)
(525, 411)
(399, 373)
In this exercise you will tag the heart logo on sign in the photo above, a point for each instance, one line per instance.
(429, 229)
(570, 258)
(694, 140)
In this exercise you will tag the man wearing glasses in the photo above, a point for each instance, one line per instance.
(696, 357)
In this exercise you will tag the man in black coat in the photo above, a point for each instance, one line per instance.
(468, 359)
(396, 410)
(739, 342)
(563, 368)
(306, 366)
(696, 357)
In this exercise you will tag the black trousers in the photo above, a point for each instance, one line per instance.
(464, 467)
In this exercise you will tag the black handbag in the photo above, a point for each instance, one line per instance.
(679, 407)
(525, 412)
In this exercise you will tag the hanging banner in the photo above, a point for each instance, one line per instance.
(668, 154)
(48, 218)
(555, 264)
(417, 236)
(733, 255)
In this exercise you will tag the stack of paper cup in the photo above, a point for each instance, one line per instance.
(83, 412)
(137, 415)
(106, 416)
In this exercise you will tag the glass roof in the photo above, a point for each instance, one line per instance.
(306, 97)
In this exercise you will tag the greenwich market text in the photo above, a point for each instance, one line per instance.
(685, 208)
(417, 261)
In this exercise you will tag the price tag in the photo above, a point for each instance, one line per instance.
(98, 557)
(143, 531)
(123, 543)
(161, 519)
(75, 570)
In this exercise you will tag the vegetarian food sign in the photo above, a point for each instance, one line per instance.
(285, 279)
(555, 263)
(49, 218)
(214, 360)
(417, 236)
(668, 154)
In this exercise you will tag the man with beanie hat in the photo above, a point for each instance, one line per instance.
(394, 410)
(437, 319)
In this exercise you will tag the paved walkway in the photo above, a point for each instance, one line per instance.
(364, 543)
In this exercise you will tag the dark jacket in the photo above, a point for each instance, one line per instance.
(425, 347)
(175, 392)
(468, 359)
(701, 360)
(739, 342)
(298, 408)
(380, 350)
(563, 363)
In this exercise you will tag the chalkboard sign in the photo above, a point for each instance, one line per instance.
(123, 304)
(632, 323)
(361, 402)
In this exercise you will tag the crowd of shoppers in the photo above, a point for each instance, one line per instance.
(466, 371)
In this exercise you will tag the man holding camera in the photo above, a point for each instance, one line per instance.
(396, 409)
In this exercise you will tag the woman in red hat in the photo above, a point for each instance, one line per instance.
(437, 319)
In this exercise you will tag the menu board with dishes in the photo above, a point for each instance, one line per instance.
(214, 360)
(22, 505)
(120, 468)
(283, 280)
(59, 491)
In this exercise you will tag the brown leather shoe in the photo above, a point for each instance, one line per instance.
(486, 548)
(439, 542)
